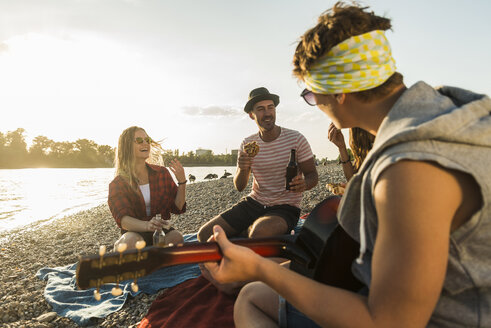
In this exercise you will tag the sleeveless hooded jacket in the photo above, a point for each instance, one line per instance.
(451, 127)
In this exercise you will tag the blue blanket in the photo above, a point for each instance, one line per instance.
(79, 305)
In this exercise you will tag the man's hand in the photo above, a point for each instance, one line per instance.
(336, 136)
(298, 184)
(244, 162)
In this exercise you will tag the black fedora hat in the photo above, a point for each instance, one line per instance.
(260, 94)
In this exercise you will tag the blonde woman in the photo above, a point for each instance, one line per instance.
(142, 189)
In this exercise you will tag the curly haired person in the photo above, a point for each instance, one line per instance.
(420, 204)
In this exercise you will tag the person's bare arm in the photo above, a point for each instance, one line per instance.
(132, 224)
(409, 259)
(244, 163)
(180, 196)
(176, 167)
(348, 168)
(336, 137)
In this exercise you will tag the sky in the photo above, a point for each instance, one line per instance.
(73, 69)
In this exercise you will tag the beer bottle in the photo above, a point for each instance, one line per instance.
(291, 169)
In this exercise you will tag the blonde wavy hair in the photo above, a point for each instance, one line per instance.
(124, 160)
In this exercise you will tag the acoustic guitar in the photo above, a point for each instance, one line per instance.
(321, 251)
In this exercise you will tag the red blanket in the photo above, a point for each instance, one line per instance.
(194, 303)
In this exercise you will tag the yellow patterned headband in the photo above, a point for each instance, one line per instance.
(360, 63)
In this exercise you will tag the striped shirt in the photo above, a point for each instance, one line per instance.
(269, 167)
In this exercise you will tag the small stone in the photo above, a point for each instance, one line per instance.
(46, 317)
(61, 235)
(40, 326)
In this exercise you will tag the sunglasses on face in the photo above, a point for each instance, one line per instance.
(140, 140)
(309, 97)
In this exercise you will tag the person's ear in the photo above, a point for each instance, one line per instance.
(251, 115)
(340, 98)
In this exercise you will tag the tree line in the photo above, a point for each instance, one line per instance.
(45, 152)
(84, 153)
(191, 159)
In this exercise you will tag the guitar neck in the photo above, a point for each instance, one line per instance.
(95, 270)
(209, 252)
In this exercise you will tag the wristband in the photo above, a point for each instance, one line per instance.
(181, 183)
(344, 162)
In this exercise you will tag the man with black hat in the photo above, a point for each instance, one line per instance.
(269, 209)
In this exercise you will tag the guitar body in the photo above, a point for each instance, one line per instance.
(333, 249)
(321, 251)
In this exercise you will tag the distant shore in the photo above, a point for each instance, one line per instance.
(104, 167)
(58, 243)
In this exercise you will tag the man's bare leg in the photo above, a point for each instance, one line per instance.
(173, 237)
(206, 230)
(267, 226)
(256, 306)
(129, 238)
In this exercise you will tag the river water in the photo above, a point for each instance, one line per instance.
(30, 195)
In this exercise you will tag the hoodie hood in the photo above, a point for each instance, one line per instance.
(444, 114)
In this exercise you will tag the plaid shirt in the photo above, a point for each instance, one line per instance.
(123, 200)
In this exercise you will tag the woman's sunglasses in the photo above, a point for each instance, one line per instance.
(140, 140)
(309, 97)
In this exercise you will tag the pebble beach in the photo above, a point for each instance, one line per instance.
(58, 243)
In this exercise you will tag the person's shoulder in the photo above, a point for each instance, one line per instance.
(118, 182)
(252, 137)
(159, 169)
(418, 181)
(155, 167)
(290, 132)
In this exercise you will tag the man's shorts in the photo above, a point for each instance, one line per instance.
(244, 213)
